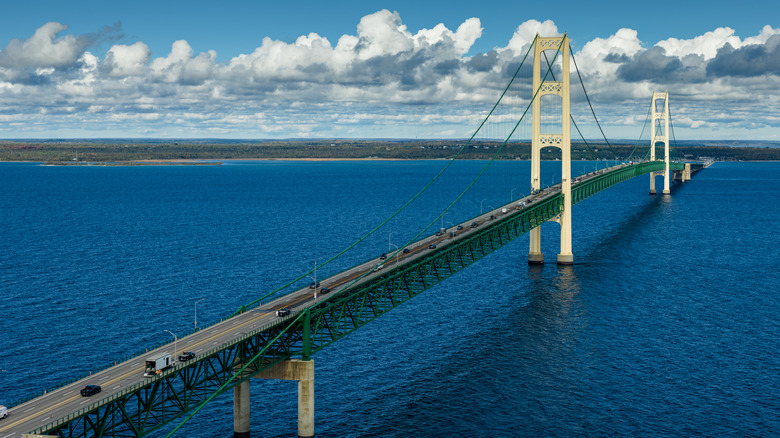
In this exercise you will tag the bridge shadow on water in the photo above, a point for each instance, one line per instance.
(518, 359)
(622, 233)
(517, 362)
(532, 367)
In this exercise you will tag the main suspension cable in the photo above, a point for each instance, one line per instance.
(591, 105)
(500, 149)
(417, 195)
(649, 108)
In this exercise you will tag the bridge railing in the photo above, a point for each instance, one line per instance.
(174, 369)
(604, 179)
(125, 358)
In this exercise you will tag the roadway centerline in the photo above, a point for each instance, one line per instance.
(301, 297)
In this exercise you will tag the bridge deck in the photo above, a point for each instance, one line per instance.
(39, 413)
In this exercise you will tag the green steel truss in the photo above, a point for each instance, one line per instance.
(142, 409)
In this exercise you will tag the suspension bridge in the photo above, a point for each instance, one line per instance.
(276, 335)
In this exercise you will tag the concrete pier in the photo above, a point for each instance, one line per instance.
(303, 372)
(241, 410)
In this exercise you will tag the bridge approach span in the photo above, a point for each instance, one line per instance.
(132, 405)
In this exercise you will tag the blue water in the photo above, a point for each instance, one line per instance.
(668, 325)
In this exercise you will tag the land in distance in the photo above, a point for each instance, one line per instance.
(128, 150)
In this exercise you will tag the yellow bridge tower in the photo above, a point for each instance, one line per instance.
(560, 140)
(660, 135)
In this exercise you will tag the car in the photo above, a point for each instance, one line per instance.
(432, 246)
(492, 216)
(314, 285)
(284, 312)
(383, 256)
(187, 355)
(474, 224)
(460, 227)
(380, 267)
(90, 390)
(324, 290)
(504, 210)
(406, 250)
(439, 233)
(3, 412)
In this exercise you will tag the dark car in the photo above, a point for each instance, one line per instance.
(324, 290)
(187, 355)
(314, 285)
(432, 246)
(439, 233)
(474, 224)
(383, 256)
(406, 250)
(460, 227)
(284, 312)
(90, 390)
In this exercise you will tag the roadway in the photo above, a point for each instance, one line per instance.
(67, 400)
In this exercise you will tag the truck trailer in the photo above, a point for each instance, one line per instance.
(156, 364)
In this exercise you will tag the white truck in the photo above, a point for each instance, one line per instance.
(156, 364)
(3, 412)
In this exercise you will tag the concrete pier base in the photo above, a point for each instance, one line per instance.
(652, 191)
(535, 258)
(565, 259)
(303, 372)
(666, 192)
(241, 410)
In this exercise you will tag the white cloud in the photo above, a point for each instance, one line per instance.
(525, 33)
(384, 78)
(706, 45)
(180, 66)
(43, 49)
(122, 60)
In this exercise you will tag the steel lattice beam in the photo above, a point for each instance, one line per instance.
(144, 408)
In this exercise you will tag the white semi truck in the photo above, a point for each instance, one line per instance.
(155, 364)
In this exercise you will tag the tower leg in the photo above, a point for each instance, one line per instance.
(241, 410)
(666, 178)
(535, 256)
(652, 183)
(566, 257)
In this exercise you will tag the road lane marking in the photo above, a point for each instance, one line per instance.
(68, 400)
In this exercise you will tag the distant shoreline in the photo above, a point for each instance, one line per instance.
(129, 163)
(174, 153)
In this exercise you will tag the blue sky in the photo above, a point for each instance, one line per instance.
(368, 68)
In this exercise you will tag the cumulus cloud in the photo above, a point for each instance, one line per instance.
(122, 60)
(43, 49)
(379, 74)
(181, 67)
(748, 60)
(46, 51)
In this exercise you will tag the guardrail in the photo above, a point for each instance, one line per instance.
(174, 369)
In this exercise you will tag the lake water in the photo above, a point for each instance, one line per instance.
(668, 324)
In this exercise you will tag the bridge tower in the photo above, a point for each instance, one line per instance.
(560, 140)
(660, 134)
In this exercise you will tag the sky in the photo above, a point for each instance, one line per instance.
(371, 69)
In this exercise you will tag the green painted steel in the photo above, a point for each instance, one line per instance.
(147, 407)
